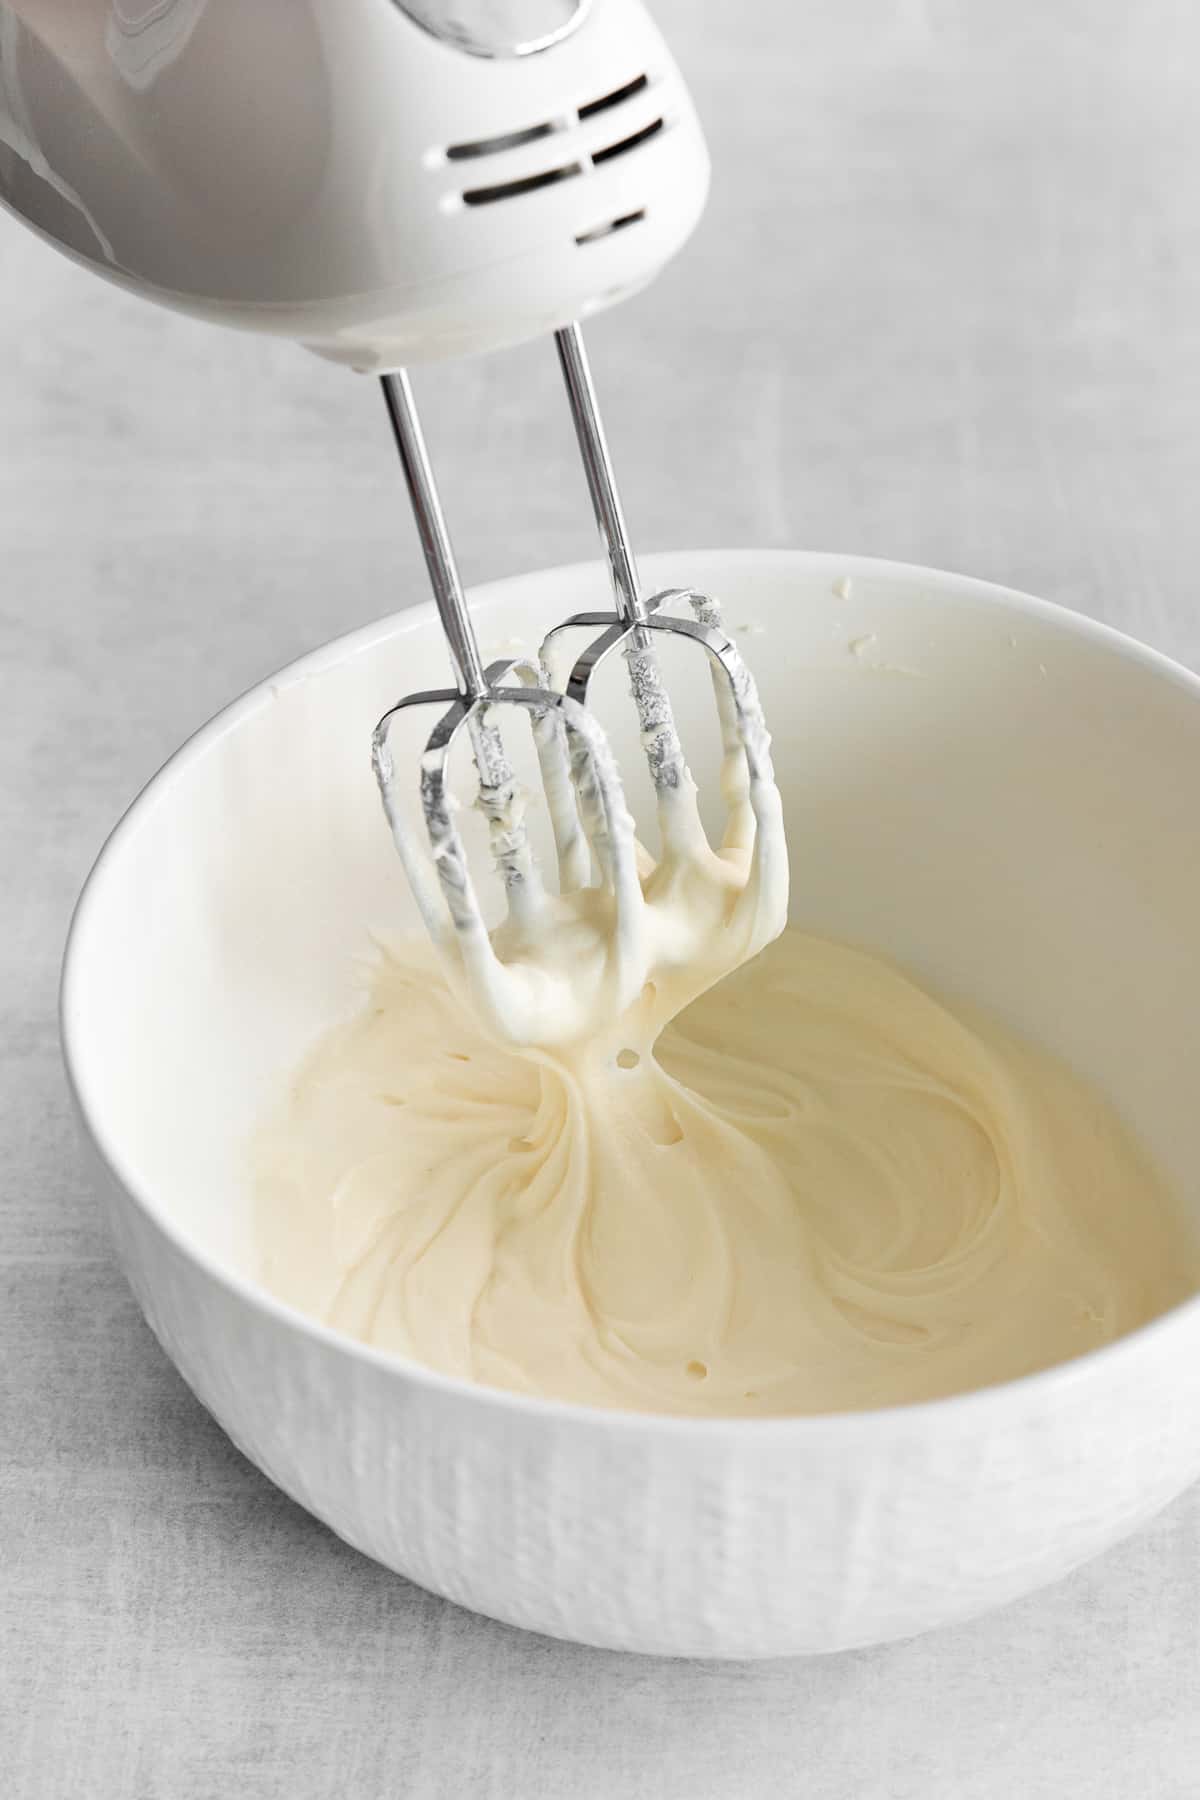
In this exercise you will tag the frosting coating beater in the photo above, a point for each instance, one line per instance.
(620, 924)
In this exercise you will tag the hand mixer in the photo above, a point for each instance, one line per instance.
(395, 181)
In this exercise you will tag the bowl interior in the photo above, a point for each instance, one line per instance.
(994, 792)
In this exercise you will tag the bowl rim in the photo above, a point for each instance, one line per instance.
(899, 1419)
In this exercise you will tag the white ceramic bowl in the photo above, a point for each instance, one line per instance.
(998, 793)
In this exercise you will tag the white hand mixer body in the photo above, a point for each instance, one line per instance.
(396, 181)
(336, 172)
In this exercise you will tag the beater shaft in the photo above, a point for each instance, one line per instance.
(444, 578)
(601, 478)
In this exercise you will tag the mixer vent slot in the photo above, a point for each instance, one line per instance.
(472, 148)
(611, 225)
(530, 134)
(526, 184)
(626, 144)
(637, 86)
(511, 140)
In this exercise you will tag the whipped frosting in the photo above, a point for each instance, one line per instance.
(817, 1188)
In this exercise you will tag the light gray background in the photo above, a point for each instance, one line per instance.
(945, 307)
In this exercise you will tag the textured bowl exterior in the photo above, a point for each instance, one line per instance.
(742, 1540)
(690, 1538)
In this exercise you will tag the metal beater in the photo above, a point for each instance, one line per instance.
(593, 829)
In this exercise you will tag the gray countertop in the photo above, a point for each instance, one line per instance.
(945, 307)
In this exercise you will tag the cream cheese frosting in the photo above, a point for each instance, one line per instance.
(818, 1188)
